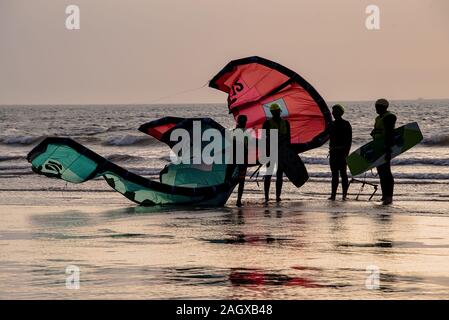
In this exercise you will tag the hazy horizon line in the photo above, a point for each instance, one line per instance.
(196, 103)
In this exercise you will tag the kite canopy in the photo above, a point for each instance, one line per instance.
(254, 83)
(186, 184)
(192, 174)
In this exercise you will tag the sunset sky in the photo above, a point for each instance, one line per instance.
(139, 51)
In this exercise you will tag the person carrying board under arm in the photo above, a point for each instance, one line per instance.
(383, 133)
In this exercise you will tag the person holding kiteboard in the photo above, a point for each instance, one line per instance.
(242, 167)
(383, 134)
(283, 127)
(340, 140)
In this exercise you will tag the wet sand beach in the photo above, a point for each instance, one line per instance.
(303, 248)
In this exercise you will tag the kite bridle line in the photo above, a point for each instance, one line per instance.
(179, 93)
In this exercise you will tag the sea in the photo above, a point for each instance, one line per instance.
(303, 248)
(111, 131)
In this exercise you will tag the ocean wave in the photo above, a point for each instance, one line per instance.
(421, 161)
(15, 174)
(116, 128)
(397, 161)
(323, 161)
(119, 140)
(397, 175)
(421, 176)
(12, 158)
(145, 171)
(94, 131)
(15, 167)
(165, 158)
(87, 139)
(123, 158)
(437, 140)
(20, 140)
(129, 140)
(9, 172)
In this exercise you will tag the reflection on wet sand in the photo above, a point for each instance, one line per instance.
(286, 251)
(248, 239)
(257, 277)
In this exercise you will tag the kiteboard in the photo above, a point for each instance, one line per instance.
(372, 154)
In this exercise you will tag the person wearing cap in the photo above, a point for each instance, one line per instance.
(383, 133)
(283, 127)
(339, 146)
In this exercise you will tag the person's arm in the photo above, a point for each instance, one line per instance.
(373, 131)
(389, 123)
(348, 138)
(245, 148)
(266, 134)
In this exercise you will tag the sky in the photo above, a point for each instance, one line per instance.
(165, 51)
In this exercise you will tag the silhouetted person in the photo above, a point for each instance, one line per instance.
(339, 147)
(242, 168)
(383, 134)
(283, 127)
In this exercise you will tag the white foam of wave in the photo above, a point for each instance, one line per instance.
(127, 140)
(19, 140)
(15, 167)
(397, 175)
(145, 171)
(421, 161)
(404, 161)
(11, 158)
(437, 140)
(123, 158)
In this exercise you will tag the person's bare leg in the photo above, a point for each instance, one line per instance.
(279, 181)
(266, 187)
(335, 179)
(344, 182)
(334, 185)
(240, 192)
